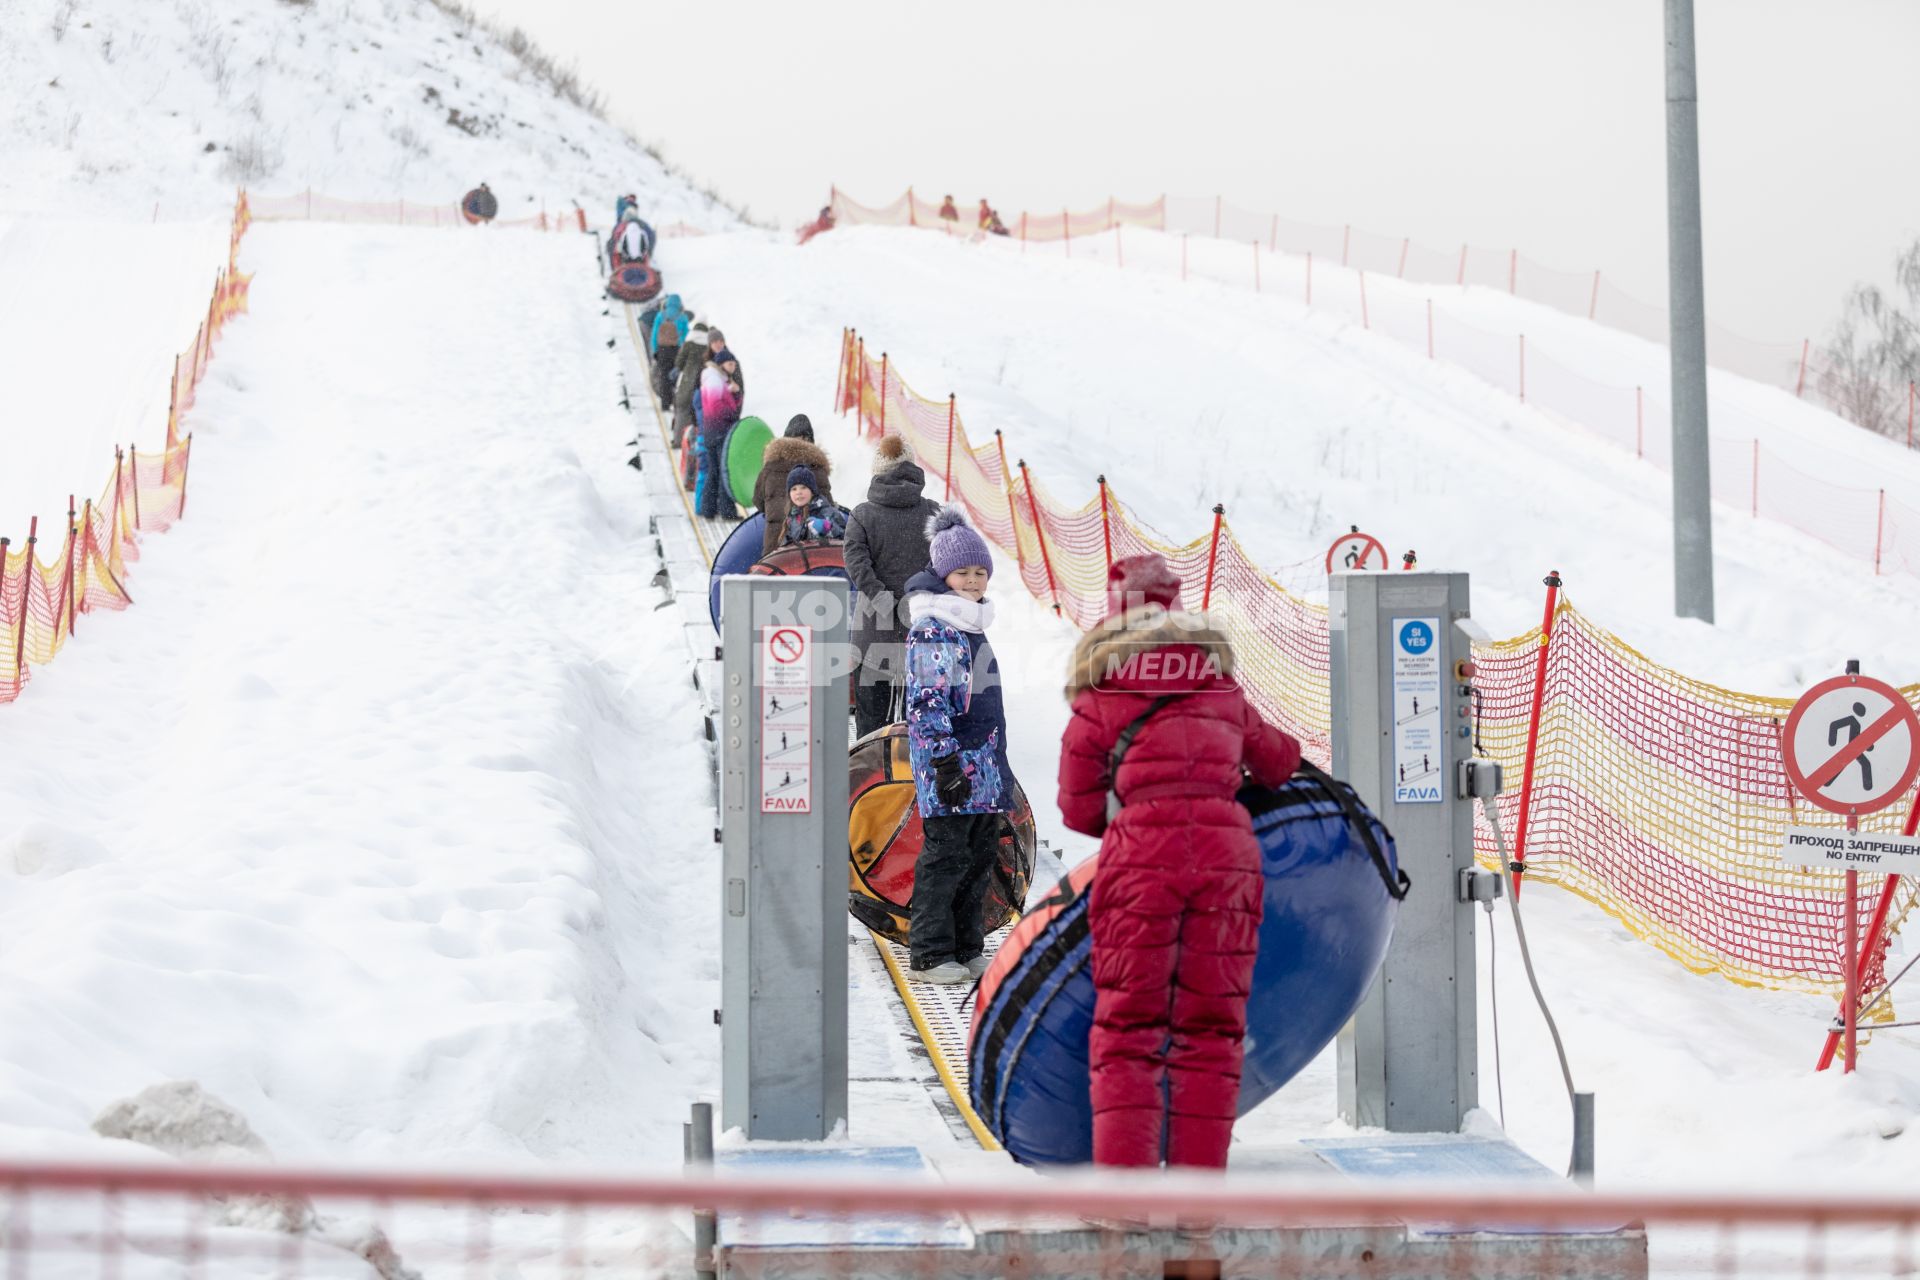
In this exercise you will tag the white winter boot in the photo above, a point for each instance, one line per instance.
(946, 973)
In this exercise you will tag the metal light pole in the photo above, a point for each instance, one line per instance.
(1687, 335)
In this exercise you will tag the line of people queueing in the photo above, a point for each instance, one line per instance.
(1151, 762)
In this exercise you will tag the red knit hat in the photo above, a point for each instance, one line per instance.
(1141, 580)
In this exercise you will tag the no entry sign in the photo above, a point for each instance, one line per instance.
(1850, 745)
(1356, 550)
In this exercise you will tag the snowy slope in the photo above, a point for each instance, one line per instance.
(118, 108)
(375, 816)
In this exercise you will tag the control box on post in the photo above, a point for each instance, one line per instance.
(1402, 730)
(783, 831)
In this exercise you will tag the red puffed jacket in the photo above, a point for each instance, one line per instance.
(1176, 899)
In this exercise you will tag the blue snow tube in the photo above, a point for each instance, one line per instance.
(1332, 883)
(736, 555)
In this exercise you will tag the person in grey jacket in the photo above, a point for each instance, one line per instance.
(886, 545)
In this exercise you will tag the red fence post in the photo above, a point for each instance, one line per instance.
(1533, 724)
(948, 491)
(1213, 554)
(840, 376)
(1639, 422)
(1006, 481)
(1523, 368)
(1875, 928)
(1879, 531)
(1039, 532)
(1429, 328)
(1800, 384)
(186, 461)
(859, 392)
(26, 577)
(1756, 477)
(1106, 534)
(1593, 306)
(133, 482)
(913, 219)
(1256, 266)
(1346, 243)
(1463, 266)
(1365, 323)
(883, 393)
(68, 608)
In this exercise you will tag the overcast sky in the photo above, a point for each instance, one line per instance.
(1536, 123)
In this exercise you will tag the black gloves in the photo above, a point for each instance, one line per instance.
(950, 782)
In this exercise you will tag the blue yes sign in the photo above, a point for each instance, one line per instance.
(1419, 728)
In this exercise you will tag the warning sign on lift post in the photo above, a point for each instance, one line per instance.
(1851, 746)
(1356, 550)
(1418, 748)
(786, 719)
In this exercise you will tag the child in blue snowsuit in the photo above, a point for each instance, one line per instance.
(957, 742)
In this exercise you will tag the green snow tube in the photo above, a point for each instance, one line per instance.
(746, 447)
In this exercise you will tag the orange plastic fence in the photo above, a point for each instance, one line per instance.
(314, 206)
(41, 601)
(1659, 797)
(1328, 268)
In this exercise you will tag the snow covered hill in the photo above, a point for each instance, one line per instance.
(121, 108)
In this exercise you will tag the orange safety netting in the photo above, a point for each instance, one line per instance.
(910, 210)
(313, 206)
(40, 601)
(1658, 797)
(1329, 268)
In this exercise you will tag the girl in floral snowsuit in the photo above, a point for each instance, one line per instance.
(957, 741)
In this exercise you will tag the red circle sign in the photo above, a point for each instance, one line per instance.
(1354, 550)
(1830, 739)
(786, 645)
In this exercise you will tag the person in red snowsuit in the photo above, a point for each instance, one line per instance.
(1176, 899)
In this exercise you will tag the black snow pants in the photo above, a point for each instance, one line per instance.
(950, 882)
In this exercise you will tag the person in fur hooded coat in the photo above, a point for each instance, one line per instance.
(793, 449)
(1177, 896)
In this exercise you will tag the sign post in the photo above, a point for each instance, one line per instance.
(783, 836)
(1408, 1061)
(1851, 746)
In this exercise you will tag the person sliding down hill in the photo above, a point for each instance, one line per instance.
(1177, 897)
(811, 517)
(793, 449)
(957, 742)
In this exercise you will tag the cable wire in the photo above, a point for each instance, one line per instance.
(1526, 956)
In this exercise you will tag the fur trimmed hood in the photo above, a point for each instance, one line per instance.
(1142, 629)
